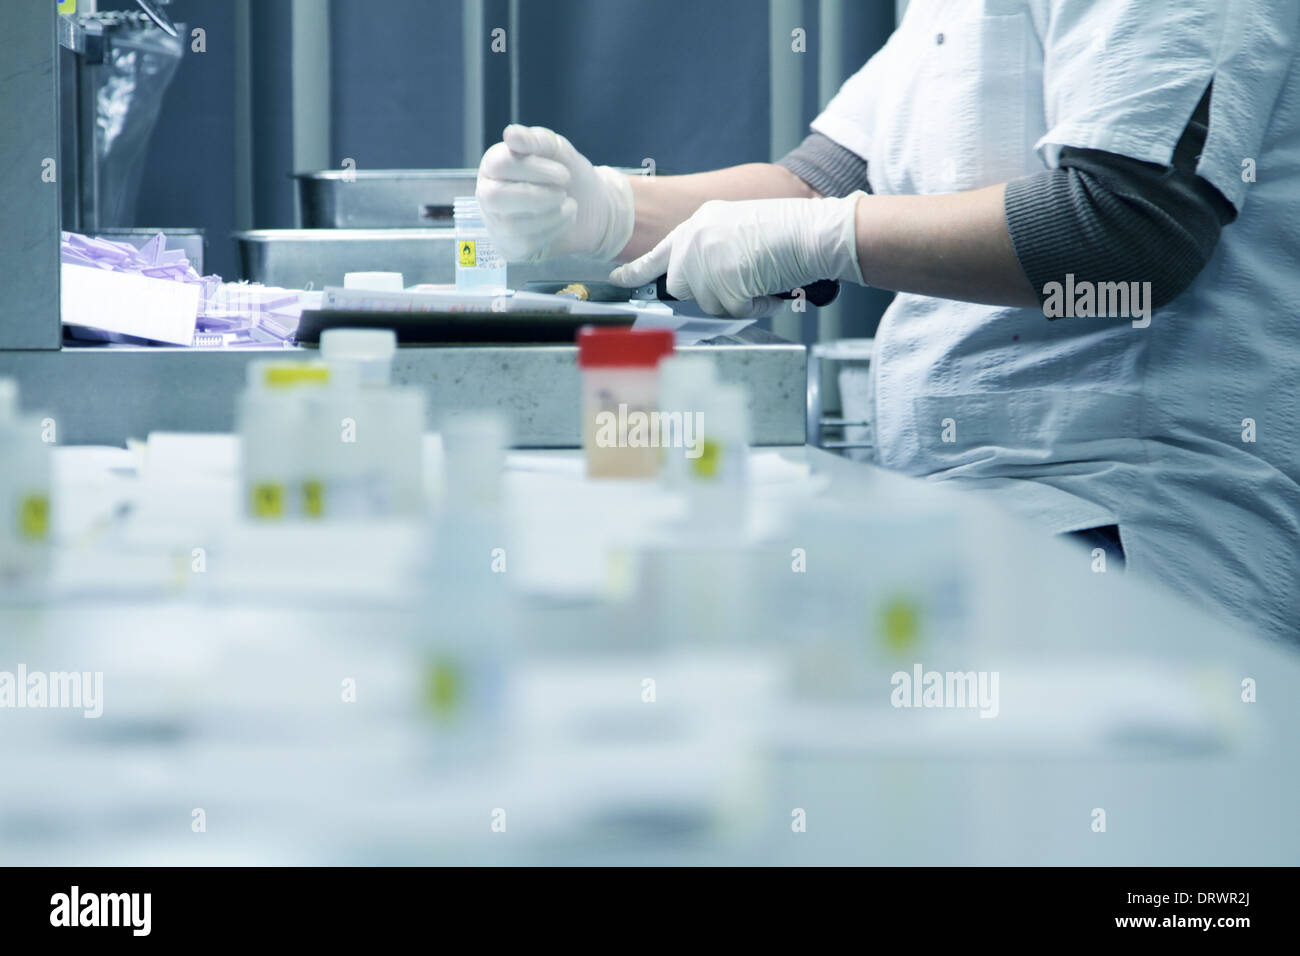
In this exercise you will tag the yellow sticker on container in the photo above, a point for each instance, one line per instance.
(268, 500)
(67, 6)
(620, 574)
(313, 498)
(706, 466)
(444, 687)
(900, 623)
(468, 252)
(289, 374)
(34, 517)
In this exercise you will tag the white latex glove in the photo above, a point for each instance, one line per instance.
(540, 199)
(731, 256)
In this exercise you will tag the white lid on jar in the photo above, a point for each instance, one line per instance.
(683, 377)
(370, 351)
(374, 281)
(726, 414)
(474, 453)
(8, 399)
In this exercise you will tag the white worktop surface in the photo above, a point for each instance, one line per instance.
(222, 686)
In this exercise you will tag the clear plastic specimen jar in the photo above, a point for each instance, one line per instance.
(479, 266)
(620, 399)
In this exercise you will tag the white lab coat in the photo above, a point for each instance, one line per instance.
(1089, 421)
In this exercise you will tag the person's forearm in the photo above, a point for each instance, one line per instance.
(662, 202)
(952, 246)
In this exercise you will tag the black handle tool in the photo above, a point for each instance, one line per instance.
(819, 293)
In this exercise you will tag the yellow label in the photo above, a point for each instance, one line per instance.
(706, 466)
(296, 373)
(34, 517)
(313, 498)
(67, 6)
(268, 500)
(900, 623)
(620, 577)
(444, 687)
(468, 255)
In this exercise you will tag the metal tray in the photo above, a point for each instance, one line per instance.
(381, 198)
(315, 258)
(384, 198)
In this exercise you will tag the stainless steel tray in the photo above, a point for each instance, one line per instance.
(384, 198)
(381, 198)
(315, 258)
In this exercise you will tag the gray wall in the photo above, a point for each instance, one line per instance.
(397, 91)
(189, 169)
(626, 81)
(29, 203)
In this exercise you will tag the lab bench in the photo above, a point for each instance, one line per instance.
(106, 395)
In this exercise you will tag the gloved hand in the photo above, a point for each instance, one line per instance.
(540, 198)
(731, 256)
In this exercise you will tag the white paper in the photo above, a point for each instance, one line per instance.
(446, 300)
(160, 310)
(690, 329)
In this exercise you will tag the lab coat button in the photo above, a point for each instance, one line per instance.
(938, 39)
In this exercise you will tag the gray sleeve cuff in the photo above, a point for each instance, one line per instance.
(1124, 227)
(827, 166)
(1107, 218)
